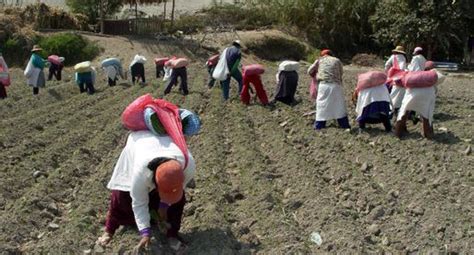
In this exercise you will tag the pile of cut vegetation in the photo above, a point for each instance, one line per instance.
(275, 45)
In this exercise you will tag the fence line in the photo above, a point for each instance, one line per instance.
(133, 26)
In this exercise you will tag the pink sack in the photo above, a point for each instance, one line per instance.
(370, 79)
(168, 114)
(254, 69)
(132, 117)
(420, 79)
(161, 61)
(313, 88)
(4, 77)
(212, 61)
(177, 62)
(54, 59)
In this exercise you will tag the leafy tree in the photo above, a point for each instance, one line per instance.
(341, 25)
(442, 26)
(92, 8)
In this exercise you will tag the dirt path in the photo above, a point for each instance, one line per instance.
(265, 179)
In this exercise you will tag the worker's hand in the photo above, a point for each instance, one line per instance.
(355, 95)
(104, 239)
(143, 244)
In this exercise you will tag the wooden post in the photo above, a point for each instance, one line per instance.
(172, 14)
(101, 14)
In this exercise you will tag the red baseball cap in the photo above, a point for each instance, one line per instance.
(169, 177)
(325, 52)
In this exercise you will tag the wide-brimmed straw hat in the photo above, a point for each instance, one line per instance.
(36, 48)
(399, 49)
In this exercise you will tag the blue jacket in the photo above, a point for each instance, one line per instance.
(233, 55)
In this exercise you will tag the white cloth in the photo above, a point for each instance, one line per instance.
(111, 72)
(371, 95)
(138, 59)
(32, 73)
(330, 103)
(168, 72)
(221, 71)
(402, 62)
(421, 100)
(417, 63)
(131, 172)
(397, 95)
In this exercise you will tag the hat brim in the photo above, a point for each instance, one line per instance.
(171, 198)
(399, 51)
(37, 49)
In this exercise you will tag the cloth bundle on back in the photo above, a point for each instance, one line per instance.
(142, 115)
(137, 68)
(151, 172)
(113, 68)
(179, 71)
(287, 82)
(85, 77)
(56, 66)
(420, 97)
(373, 100)
(252, 75)
(4, 77)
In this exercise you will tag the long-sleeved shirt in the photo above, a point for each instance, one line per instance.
(38, 61)
(417, 63)
(401, 59)
(131, 172)
(233, 56)
(329, 70)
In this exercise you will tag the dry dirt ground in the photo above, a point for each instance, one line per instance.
(265, 179)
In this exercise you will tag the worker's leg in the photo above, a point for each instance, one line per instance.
(225, 88)
(238, 77)
(344, 122)
(401, 126)
(261, 94)
(175, 215)
(172, 81)
(183, 74)
(428, 132)
(245, 95)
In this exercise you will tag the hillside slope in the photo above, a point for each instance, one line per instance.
(265, 179)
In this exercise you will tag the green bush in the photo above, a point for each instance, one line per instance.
(16, 51)
(313, 55)
(74, 47)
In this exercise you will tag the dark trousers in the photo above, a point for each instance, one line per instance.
(121, 212)
(343, 123)
(225, 84)
(35, 90)
(138, 71)
(384, 119)
(182, 74)
(160, 71)
(3, 91)
(112, 82)
(212, 81)
(89, 87)
(55, 71)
